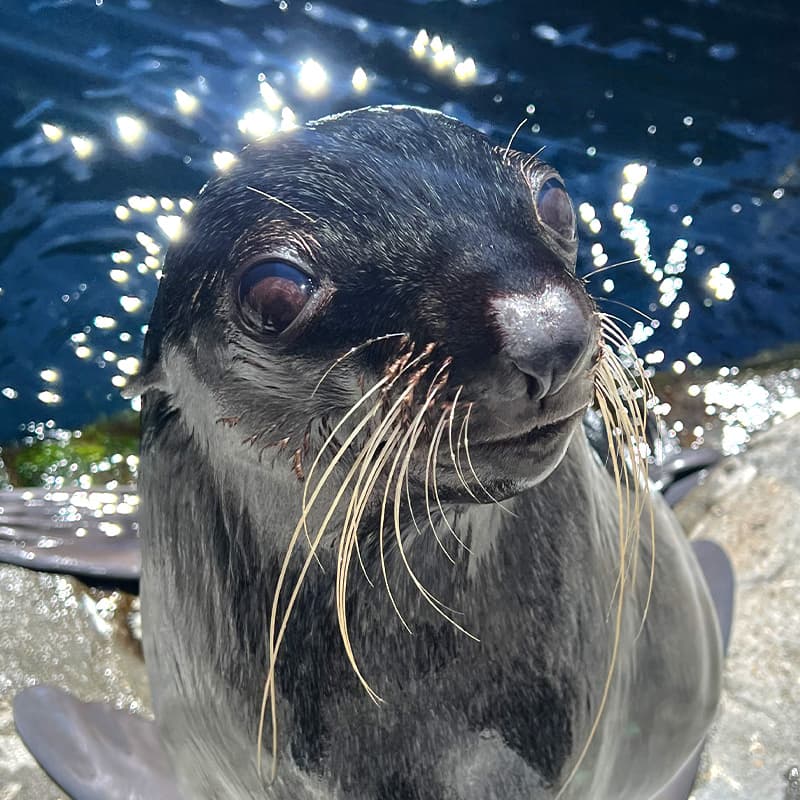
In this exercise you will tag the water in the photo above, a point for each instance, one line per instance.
(675, 124)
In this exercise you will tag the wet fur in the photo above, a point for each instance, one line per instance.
(506, 717)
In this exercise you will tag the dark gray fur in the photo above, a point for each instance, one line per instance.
(416, 222)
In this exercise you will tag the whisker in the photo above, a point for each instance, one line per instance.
(456, 461)
(282, 203)
(438, 437)
(625, 305)
(429, 464)
(472, 468)
(356, 349)
(608, 267)
(513, 136)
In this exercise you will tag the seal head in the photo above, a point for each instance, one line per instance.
(371, 351)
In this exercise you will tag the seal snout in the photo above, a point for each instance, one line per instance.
(547, 336)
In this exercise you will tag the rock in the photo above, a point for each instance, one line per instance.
(55, 630)
(750, 505)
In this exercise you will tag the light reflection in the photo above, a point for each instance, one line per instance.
(49, 398)
(466, 70)
(49, 375)
(359, 80)
(103, 322)
(312, 77)
(130, 130)
(446, 57)
(420, 43)
(144, 205)
(53, 133)
(257, 123)
(82, 145)
(442, 56)
(720, 283)
(269, 95)
(223, 160)
(130, 304)
(288, 119)
(130, 365)
(186, 103)
(172, 225)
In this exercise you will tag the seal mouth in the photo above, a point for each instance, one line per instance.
(535, 435)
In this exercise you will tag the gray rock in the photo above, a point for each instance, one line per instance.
(750, 505)
(55, 630)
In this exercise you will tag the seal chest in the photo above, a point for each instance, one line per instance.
(380, 559)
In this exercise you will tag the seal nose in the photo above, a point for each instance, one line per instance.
(545, 336)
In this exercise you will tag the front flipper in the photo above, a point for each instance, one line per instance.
(92, 750)
(90, 534)
(718, 572)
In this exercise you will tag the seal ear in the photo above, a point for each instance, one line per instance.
(152, 378)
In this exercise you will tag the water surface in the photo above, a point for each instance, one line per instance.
(675, 124)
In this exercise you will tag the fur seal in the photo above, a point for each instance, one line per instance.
(380, 559)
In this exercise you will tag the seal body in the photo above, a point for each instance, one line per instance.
(443, 269)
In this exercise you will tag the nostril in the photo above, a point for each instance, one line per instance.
(536, 388)
(545, 335)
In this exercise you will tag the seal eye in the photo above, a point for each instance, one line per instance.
(273, 293)
(554, 208)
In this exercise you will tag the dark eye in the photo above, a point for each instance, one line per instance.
(554, 208)
(273, 293)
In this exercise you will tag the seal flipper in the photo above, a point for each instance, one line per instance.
(718, 573)
(91, 750)
(721, 581)
(91, 534)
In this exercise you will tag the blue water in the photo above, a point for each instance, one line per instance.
(703, 94)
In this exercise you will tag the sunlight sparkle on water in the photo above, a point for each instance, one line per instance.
(130, 304)
(420, 44)
(257, 123)
(82, 145)
(53, 133)
(186, 103)
(466, 70)
(49, 398)
(720, 283)
(269, 95)
(312, 78)
(172, 225)
(130, 130)
(130, 365)
(359, 80)
(288, 119)
(223, 160)
(144, 205)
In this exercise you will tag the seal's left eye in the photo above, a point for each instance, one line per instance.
(554, 208)
(273, 293)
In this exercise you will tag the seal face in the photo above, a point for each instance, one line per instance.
(371, 351)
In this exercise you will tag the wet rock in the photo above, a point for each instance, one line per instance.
(55, 630)
(750, 504)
